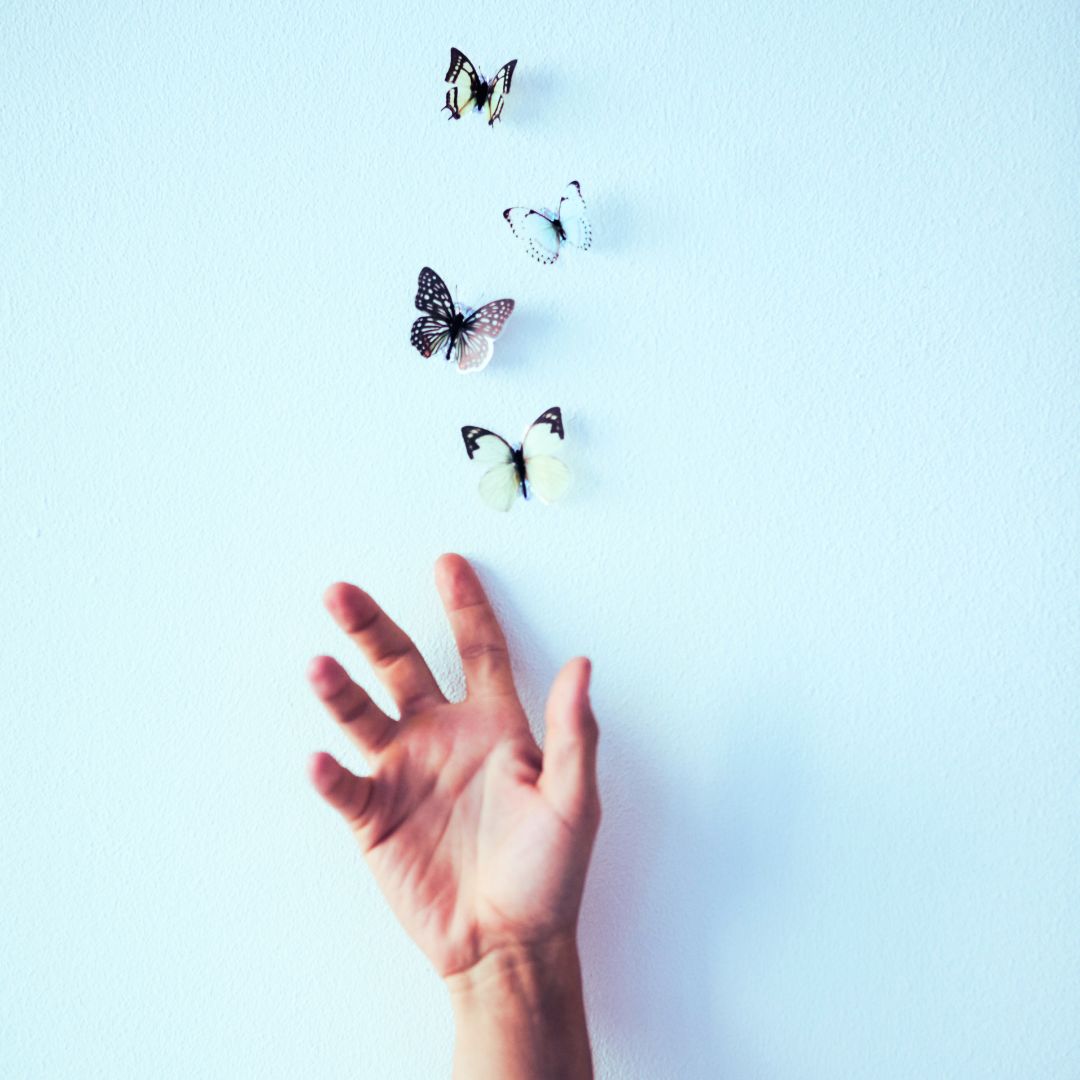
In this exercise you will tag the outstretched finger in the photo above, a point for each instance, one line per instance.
(364, 722)
(480, 641)
(390, 651)
(350, 795)
(568, 777)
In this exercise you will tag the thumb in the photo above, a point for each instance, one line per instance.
(568, 777)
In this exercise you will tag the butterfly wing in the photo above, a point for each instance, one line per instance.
(429, 335)
(499, 485)
(431, 332)
(545, 433)
(500, 87)
(537, 230)
(433, 297)
(476, 342)
(573, 218)
(548, 476)
(464, 83)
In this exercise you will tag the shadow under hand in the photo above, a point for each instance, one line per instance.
(534, 665)
(676, 862)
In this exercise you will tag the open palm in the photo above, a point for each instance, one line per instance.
(477, 839)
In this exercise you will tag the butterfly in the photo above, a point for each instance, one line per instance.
(545, 231)
(471, 89)
(524, 468)
(468, 336)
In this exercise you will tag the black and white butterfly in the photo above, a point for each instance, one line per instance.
(467, 336)
(530, 467)
(545, 231)
(469, 89)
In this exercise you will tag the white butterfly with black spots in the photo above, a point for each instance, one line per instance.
(467, 336)
(545, 231)
(530, 467)
(469, 89)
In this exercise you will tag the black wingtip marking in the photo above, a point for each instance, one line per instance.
(471, 436)
(553, 417)
(456, 55)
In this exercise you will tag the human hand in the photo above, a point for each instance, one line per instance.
(479, 841)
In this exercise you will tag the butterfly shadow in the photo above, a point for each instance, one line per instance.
(585, 491)
(612, 218)
(675, 864)
(524, 343)
(534, 98)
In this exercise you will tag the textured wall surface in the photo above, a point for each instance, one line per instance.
(820, 381)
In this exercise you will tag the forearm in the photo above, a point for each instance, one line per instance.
(519, 1014)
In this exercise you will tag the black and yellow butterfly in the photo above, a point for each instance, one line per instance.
(469, 89)
(467, 336)
(530, 467)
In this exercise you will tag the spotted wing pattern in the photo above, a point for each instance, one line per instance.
(433, 297)
(476, 342)
(500, 87)
(431, 332)
(464, 84)
(429, 335)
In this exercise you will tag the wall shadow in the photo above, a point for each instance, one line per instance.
(534, 97)
(676, 862)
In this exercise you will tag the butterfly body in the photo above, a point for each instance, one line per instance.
(519, 470)
(517, 460)
(470, 90)
(483, 93)
(517, 454)
(545, 231)
(552, 217)
(467, 336)
(454, 332)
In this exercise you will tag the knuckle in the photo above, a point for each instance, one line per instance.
(348, 702)
(415, 702)
(338, 789)
(359, 622)
(389, 657)
(356, 711)
(493, 651)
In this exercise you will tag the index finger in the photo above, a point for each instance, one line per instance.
(480, 641)
(390, 651)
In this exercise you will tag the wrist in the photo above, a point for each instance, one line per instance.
(519, 1012)
(517, 968)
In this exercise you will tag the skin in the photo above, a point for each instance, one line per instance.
(479, 840)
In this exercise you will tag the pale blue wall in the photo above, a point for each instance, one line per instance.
(820, 381)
